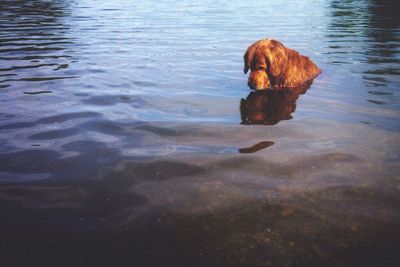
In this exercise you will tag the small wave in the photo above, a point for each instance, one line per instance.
(38, 92)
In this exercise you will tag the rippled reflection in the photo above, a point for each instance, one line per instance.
(270, 106)
(383, 46)
(34, 44)
(374, 25)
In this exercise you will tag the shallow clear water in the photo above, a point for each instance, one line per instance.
(122, 141)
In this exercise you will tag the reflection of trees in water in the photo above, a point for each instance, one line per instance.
(41, 8)
(374, 23)
(344, 30)
(33, 41)
(382, 42)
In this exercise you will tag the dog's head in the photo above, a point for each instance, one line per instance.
(266, 60)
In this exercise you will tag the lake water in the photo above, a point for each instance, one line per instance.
(122, 140)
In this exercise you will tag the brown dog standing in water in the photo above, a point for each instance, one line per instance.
(274, 65)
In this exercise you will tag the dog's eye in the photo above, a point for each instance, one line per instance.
(260, 68)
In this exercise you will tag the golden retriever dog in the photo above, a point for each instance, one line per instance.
(273, 65)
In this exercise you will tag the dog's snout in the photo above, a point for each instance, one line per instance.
(251, 84)
(258, 80)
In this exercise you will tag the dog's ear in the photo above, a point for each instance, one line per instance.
(276, 58)
(248, 57)
(274, 62)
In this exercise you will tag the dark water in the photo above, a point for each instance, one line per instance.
(122, 140)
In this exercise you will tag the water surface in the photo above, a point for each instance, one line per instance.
(123, 139)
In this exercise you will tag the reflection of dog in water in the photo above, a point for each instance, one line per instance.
(270, 106)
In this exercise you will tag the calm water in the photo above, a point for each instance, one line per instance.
(122, 140)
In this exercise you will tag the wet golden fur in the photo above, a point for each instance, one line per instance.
(274, 65)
